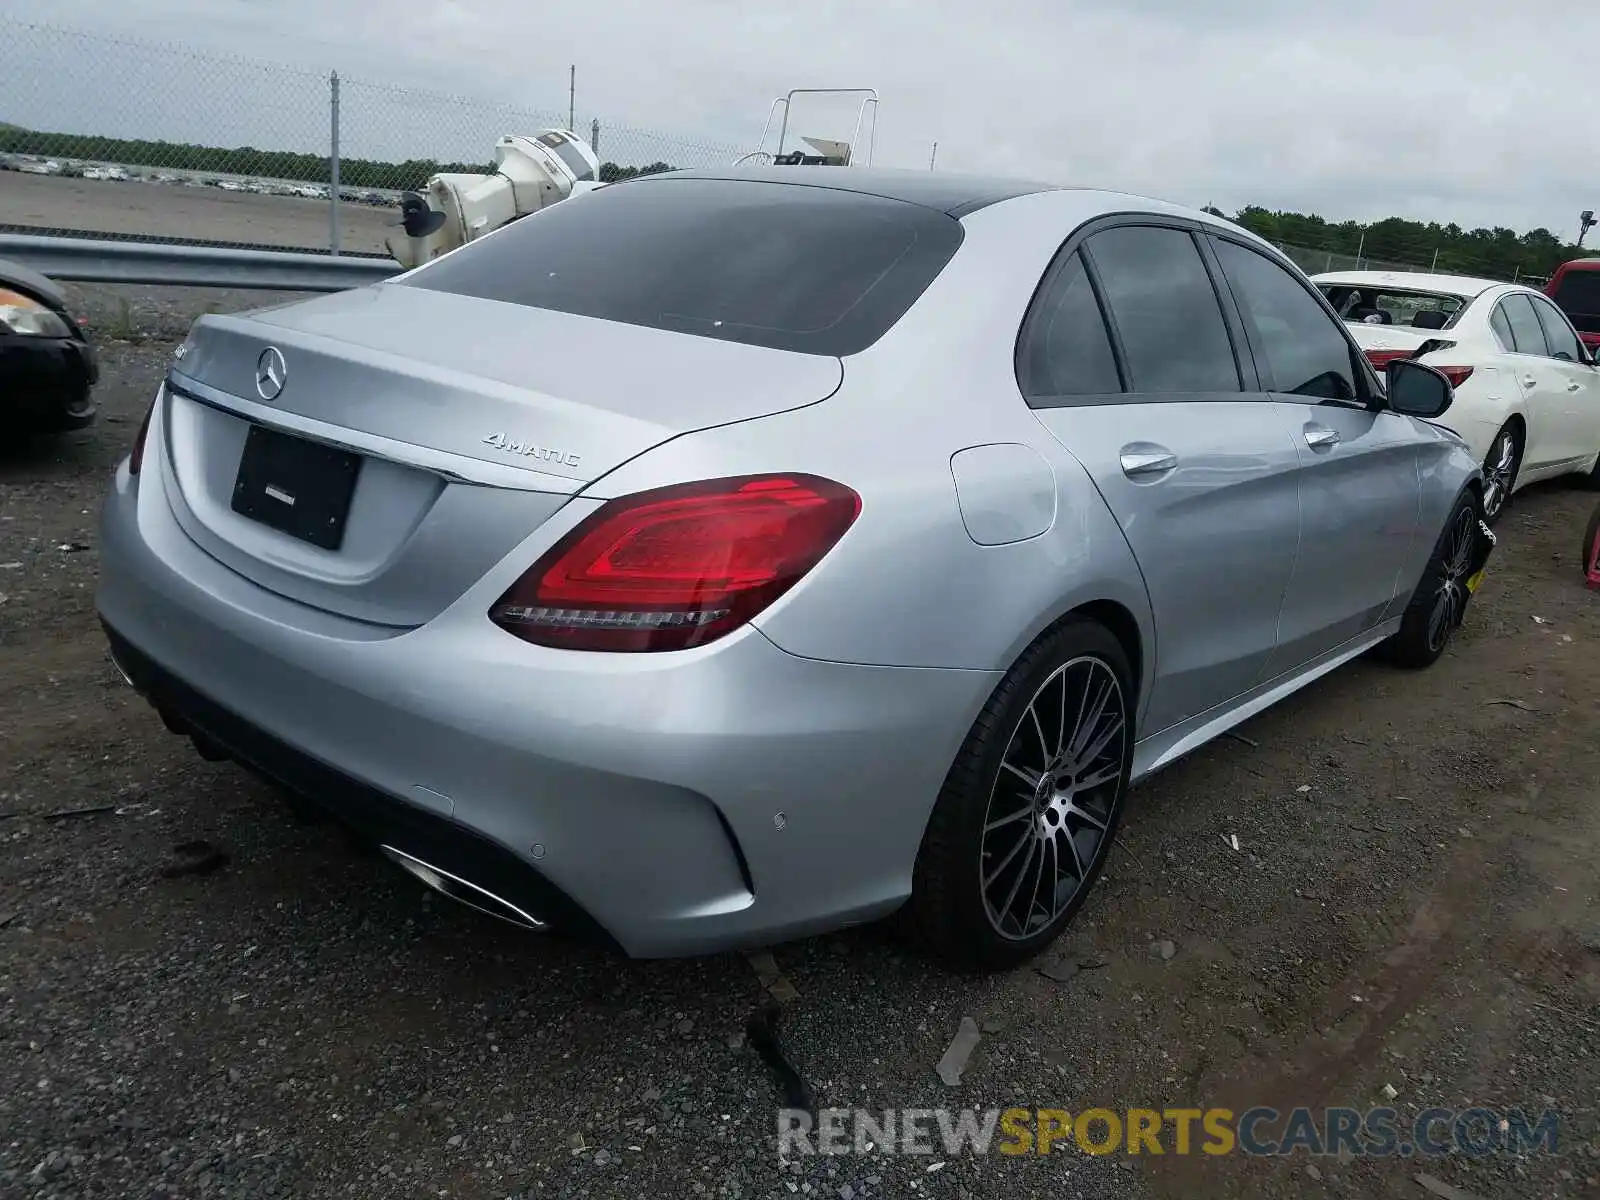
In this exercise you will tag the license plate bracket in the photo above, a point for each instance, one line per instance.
(298, 487)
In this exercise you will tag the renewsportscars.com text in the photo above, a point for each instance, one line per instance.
(1376, 1132)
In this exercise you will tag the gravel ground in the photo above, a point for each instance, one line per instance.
(170, 210)
(306, 1021)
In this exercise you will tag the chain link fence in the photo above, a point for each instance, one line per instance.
(84, 106)
(1313, 262)
(334, 151)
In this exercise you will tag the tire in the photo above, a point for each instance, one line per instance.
(1440, 600)
(1500, 467)
(1056, 815)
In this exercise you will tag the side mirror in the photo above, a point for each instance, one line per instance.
(1416, 390)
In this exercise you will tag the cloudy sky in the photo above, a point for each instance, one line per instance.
(1463, 111)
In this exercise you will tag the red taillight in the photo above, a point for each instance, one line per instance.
(677, 566)
(1379, 358)
(136, 455)
(1456, 375)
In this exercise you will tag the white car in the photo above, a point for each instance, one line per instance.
(1527, 392)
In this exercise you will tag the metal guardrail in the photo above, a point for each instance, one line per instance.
(192, 264)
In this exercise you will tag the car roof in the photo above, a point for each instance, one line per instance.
(1417, 281)
(954, 194)
(1580, 264)
(961, 195)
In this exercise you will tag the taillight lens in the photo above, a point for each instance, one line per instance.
(136, 455)
(677, 566)
(1380, 358)
(1456, 375)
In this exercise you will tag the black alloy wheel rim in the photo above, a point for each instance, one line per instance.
(1050, 809)
(1450, 598)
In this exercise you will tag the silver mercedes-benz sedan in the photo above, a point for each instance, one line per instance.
(719, 558)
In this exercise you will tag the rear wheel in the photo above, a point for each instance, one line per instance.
(1031, 805)
(1440, 600)
(1500, 467)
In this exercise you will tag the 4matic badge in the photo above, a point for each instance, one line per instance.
(547, 454)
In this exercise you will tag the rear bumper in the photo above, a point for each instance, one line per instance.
(682, 803)
(378, 817)
(46, 384)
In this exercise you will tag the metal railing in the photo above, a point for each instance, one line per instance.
(192, 264)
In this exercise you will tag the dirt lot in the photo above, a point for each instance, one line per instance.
(1412, 904)
(168, 210)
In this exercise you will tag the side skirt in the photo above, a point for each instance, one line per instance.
(1167, 747)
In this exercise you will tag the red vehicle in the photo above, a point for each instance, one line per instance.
(1575, 288)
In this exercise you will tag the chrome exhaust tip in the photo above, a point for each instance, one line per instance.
(121, 670)
(462, 891)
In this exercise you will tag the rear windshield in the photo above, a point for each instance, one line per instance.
(788, 266)
(1578, 295)
(1394, 306)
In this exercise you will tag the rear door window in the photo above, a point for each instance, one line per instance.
(1527, 335)
(1165, 309)
(787, 266)
(1562, 341)
(1065, 349)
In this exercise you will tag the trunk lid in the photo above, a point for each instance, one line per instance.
(1393, 340)
(474, 421)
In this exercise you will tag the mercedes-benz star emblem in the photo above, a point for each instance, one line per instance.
(270, 373)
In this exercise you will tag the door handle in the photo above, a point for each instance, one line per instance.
(1529, 381)
(1319, 435)
(1574, 386)
(1153, 461)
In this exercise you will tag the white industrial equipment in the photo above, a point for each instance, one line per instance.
(530, 173)
(829, 152)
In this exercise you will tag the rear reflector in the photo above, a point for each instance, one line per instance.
(677, 566)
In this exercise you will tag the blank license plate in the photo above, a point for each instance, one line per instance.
(298, 487)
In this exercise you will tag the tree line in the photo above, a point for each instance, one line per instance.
(1497, 252)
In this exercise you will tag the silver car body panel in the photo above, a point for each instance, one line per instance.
(775, 782)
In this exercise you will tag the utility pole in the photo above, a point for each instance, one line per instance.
(333, 163)
(933, 154)
(1361, 249)
(1586, 222)
(1435, 265)
(572, 96)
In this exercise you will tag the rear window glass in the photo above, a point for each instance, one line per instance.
(787, 266)
(1389, 306)
(1578, 294)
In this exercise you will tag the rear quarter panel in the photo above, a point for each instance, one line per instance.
(908, 586)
